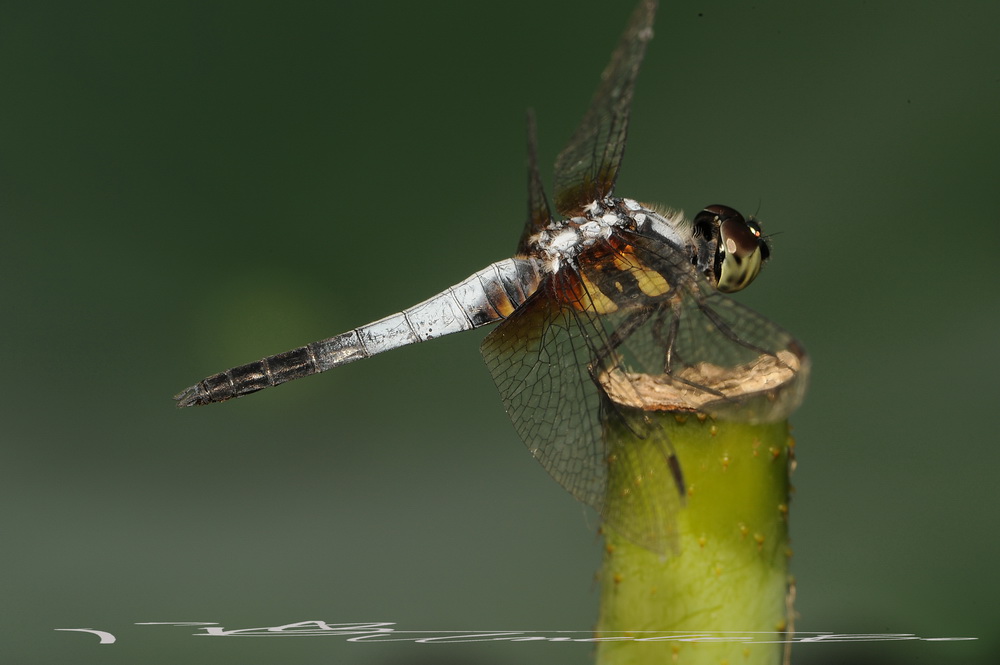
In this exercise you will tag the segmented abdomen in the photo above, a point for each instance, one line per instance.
(487, 296)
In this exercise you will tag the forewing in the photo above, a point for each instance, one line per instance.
(584, 361)
(546, 359)
(539, 215)
(587, 167)
(729, 360)
(539, 359)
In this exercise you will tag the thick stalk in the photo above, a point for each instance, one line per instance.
(730, 571)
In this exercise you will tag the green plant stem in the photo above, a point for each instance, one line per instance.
(731, 570)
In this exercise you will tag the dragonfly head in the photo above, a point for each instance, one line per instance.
(741, 250)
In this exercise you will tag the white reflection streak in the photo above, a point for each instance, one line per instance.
(380, 631)
(106, 637)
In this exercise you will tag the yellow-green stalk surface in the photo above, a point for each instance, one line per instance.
(730, 569)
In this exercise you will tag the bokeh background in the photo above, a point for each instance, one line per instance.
(187, 186)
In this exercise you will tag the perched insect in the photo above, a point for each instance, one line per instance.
(609, 311)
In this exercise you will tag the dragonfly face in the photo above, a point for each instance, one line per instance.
(740, 250)
(612, 308)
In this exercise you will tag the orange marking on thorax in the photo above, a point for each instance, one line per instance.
(602, 263)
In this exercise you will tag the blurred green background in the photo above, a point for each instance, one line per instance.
(188, 186)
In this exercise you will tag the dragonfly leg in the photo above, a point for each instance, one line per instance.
(670, 339)
(604, 357)
(604, 361)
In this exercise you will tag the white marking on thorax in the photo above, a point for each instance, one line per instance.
(565, 239)
(670, 225)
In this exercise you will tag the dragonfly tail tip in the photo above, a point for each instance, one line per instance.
(189, 397)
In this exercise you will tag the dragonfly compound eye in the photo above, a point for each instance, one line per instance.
(741, 247)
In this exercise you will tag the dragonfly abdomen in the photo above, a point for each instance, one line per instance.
(264, 373)
(487, 296)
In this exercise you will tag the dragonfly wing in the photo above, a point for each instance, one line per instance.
(539, 359)
(546, 360)
(587, 167)
(633, 330)
(720, 357)
(539, 214)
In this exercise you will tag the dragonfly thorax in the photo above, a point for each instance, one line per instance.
(563, 240)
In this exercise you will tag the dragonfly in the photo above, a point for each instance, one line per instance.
(610, 310)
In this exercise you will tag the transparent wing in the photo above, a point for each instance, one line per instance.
(539, 215)
(587, 167)
(539, 358)
(569, 370)
(703, 351)
(547, 360)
